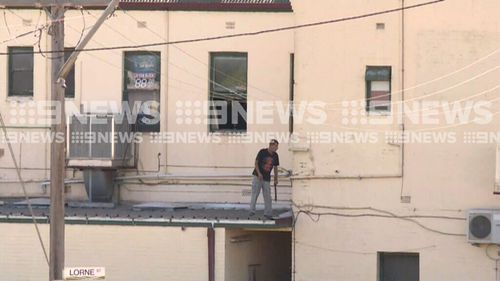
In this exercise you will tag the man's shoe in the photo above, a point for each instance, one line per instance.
(268, 217)
(252, 213)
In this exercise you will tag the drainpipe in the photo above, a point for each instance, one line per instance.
(165, 87)
(404, 199)
(211, 253)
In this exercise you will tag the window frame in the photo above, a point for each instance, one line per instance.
(381, 262)
(215, 128)
(11, 71)
(368, 88)
(137, 127)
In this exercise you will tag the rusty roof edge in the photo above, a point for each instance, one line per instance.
(236, 7)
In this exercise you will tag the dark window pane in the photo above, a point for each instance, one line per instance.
(70, 79)
(230, 73)
(228, 92)
(141, 78)
(399, 267)
(378, 88)
(22, 83)
(20, 71)
(378, 73)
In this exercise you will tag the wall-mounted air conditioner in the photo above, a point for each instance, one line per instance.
(100, 141)
(483, 226)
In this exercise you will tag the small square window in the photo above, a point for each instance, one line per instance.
(378, 88)
(399, 266)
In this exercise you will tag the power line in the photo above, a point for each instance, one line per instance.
(316, 216)
(24, 34)
(200, 61)
(248, 34)
(18, 171)
(423, 96)
(120, 68)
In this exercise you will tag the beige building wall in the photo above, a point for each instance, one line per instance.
(450, 54)
(126, 252)
(184, 77)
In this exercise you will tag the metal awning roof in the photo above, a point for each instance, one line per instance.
(152, 214)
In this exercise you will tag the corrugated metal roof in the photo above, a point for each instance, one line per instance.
(164, 214)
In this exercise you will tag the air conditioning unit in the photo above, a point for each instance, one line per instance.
(100, 141)
(483, 226)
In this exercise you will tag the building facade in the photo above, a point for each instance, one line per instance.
(391, 143)
(355, 186)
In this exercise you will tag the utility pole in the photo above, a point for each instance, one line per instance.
(57, 151)
(59, 71)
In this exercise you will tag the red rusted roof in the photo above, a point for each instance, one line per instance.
(208, 5)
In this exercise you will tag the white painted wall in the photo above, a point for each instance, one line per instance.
(127, 252)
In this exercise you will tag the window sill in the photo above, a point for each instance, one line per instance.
(20, 98)
(379, 113)
(229, 133)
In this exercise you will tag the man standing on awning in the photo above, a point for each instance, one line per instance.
(267, 159)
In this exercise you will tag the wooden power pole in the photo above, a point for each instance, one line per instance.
(59, 71)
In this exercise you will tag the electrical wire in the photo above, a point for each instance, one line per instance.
(398, 102)
(159, 73)
(227, 75)
(316, 216)
(83, 28)
(252, 33)
(360, 252)
(488, 254)
(200, 61)
(120, 67)
(311, 206)
(331, 103)
(5, 21)
(240, 95)
(18, 171)
(432, 93)
(343, 127)
(23, 35)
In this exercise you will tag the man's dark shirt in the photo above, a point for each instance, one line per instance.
(266, 162)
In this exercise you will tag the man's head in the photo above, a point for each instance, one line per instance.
(273, 145)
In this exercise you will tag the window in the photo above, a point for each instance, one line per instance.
(21, 71)
(228, 92)
(378, 88)
(70, 79)
(141, 79)
(399, 266)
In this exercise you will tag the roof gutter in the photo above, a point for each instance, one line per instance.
(268, 224)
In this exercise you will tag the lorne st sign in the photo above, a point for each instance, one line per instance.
(84, 273)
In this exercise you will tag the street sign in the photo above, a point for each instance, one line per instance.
(84, 273)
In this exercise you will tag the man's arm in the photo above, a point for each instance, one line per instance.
(259, 174)
(275, 175)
